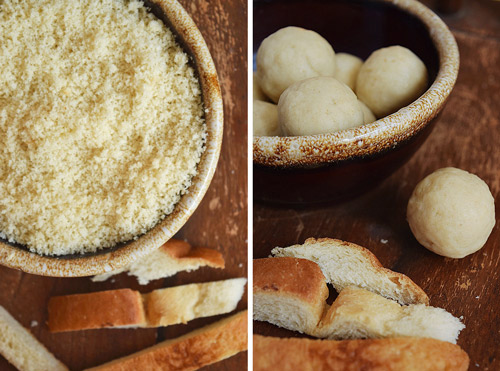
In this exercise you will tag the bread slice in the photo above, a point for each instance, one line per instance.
(289, 293)
(128, 308)
(398, 354)
(347, 264)
(172, 257)
(358, 313)
(192, 351)
(22, 349)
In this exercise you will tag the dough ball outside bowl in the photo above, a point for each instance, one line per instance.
(391, 78)
(451, 212)
(265, 119)
(348, 66)
(258, 94)
(318, 105)
(368, 116)
(290, 55)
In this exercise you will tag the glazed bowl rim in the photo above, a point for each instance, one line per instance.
(383, 134)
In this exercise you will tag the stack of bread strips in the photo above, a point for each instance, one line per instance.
(291, 293)
(347, 264)
(398, 354)
(22, 349)
(172, 257)
(192, 351)
(126, 308)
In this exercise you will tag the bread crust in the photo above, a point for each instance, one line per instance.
(192, 351)
(111, 308)
(401, 280)
(398, 354)
(183, 251)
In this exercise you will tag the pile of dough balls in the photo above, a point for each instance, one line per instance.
(451, 212)
(315, 91)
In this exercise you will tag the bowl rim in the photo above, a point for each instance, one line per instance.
(116, 258)
(382, 134)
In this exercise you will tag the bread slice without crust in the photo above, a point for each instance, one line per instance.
(397, 354)
(358, 313)
(192, 351)
(172, 257)
(289, 293)
(128, 308)
(22, 349)
(347, 264)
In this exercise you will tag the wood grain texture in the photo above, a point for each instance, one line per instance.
(219, 222)
(467, 136)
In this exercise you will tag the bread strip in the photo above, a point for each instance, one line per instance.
(347, 264)
(192, 351)
(172, 257)
(398, 354)
(22, 349)
(358, 313)
(128, 308)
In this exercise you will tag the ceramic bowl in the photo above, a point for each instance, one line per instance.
(341, 165)
(178, 20)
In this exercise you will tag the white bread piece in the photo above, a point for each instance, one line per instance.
(289, 293)
(127, 308)
(172, 257)
(397, 354)
(358, 313)
(347, 264)
(22, 349)
(192, 351)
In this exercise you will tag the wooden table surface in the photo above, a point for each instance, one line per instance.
(467, 136)
(220, 221)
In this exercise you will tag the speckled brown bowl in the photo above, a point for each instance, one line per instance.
(16, 256)
(338, 166)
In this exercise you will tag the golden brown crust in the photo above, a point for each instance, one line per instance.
(192, 351)
(401, 354)
(399, 278)
(111, 308)
(300, 278)
(183, 251)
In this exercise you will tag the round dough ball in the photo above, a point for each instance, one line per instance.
(368, 116)
(391, 78)
(258, 94)
(348, 66)
(265, 119)
(318, 105)
(451, 212)
(290, 55)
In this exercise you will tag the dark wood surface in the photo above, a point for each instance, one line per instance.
(467, 136)
(219, 222)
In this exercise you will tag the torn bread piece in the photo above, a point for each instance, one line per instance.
(128, 308)
(358, 313)
(289, 293)
(192, 351)
(347, 264)
(172, 257)
(401, 354)
(22, 349)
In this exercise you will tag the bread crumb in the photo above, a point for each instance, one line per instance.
(101, 119)
(34, 323)
(477, 297)
(384, 241)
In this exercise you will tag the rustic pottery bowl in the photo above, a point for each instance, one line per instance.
(19, 257)
(338, 166)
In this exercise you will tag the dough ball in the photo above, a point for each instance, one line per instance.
(318, 105)
(265, 119)
(348, 66)
(290, 55)
(368, 116)
(451, 212)
(391, 78)
(258, 94)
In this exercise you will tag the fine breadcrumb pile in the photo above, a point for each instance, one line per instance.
(101, 123)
